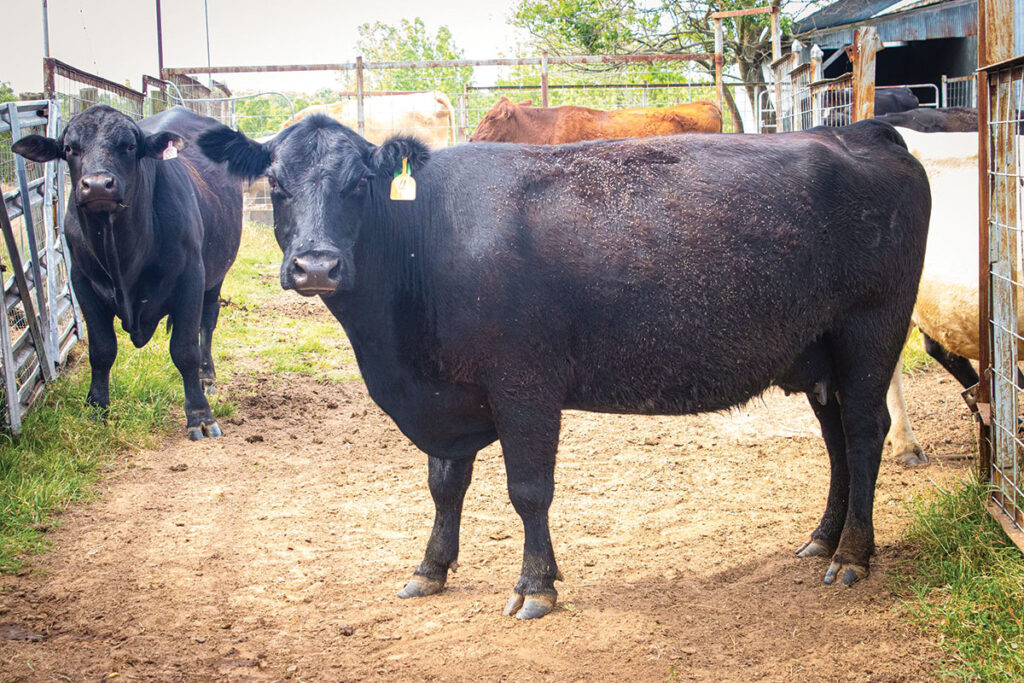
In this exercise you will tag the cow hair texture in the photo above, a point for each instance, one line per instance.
(245, 157)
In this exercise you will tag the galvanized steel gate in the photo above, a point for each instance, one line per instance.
(41, 320)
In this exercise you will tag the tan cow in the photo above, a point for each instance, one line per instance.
(427, 115)
(507, 122)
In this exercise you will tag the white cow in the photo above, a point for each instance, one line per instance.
(427, 115)
(947, 306)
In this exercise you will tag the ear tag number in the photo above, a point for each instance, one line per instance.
(171, 152)
(403, 187)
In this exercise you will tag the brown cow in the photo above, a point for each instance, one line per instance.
(507, 122)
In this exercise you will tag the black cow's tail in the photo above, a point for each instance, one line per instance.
(170, 323)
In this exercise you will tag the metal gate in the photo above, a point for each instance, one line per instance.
(1000, 394)
(42, 320)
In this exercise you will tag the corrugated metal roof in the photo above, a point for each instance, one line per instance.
(840, 13)
(898, 21)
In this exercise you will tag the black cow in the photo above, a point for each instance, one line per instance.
(931, 120)
(887, 101)
(669, 275)
(891, 100)
(149, 238)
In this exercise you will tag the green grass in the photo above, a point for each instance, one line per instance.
(964, 585)
(63, 448)
(914, 356)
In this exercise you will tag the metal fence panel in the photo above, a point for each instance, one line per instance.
(1005, 257)
(42, 320)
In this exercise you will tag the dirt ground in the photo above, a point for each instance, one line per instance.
(275, 553)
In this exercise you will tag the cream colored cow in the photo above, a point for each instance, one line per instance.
(427, 115)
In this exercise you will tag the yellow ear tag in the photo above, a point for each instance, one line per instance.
(403, 187)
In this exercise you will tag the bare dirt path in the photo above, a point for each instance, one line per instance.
(275, 553)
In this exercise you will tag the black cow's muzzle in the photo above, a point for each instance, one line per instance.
(99, 192)
(315, 273)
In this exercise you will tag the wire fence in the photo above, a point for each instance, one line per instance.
(1005, 297)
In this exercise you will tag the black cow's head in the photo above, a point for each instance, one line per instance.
(103, 148)
(321, 177)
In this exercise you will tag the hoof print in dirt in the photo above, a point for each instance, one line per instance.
(421, 587)
(204, 430)
(848, 574)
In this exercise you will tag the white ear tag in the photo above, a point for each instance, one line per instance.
(171, 152)
(403, 187)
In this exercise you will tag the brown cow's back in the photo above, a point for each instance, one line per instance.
(523, 123)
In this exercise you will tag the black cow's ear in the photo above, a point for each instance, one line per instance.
(387, 159)
(38, 148)
(157, 144)
(246, 157)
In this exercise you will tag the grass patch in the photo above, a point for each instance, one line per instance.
(965, 585)
(62, 448)
(63, 445)
(914, 356)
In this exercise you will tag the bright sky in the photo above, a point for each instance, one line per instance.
(117, 38)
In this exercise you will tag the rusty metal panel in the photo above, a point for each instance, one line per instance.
(862, 53)
(998, 26)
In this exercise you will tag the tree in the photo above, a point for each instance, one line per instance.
(673, 26)
(6, 92)
(410, 41)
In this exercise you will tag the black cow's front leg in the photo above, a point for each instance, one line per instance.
(449, 480)
(99, 322)
(187, 358)
(208, 323)
(529, 443)
(825, 538)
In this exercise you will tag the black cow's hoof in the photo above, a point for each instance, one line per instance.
(848, 574)
(530, 606)
(814, 548)
(211, 429)
(421, 587)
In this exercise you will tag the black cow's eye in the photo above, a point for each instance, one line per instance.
(68, 150)
(131, 147)
(272, 181)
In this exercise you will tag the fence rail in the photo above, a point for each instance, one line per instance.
(41, 321)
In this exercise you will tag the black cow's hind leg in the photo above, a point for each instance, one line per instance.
(449, 480)
(529, 443)
(825, 538)
(211, 310)
(187, 358)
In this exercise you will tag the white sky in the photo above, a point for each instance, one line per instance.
(116, 39)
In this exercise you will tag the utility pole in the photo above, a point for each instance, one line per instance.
(209, 76)
(46, 32)
(159, 40)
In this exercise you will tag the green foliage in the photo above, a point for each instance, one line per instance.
(6, 92)
(635, 26)
(267, 114)
(964, 585)
(410, 41)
